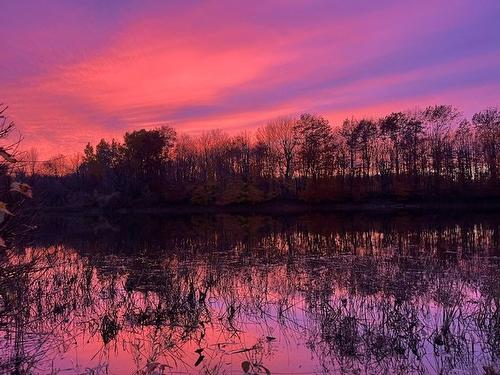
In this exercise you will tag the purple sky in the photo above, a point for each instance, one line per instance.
(75, 71)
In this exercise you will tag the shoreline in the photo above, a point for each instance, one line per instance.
(284, 208)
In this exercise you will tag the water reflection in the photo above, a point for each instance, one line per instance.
(228, 294)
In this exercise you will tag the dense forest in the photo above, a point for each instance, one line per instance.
(432, 154)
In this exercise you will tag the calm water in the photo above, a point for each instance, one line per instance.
(223, 294)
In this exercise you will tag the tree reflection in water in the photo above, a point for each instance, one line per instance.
(228, 294)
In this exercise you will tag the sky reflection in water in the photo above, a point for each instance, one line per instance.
(309, 294)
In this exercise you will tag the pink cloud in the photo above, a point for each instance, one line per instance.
(229, 65)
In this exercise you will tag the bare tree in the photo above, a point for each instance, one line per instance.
(278, 134)
(487, 125)
(439, 119)
(315, 139)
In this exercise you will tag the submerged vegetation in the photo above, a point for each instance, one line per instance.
(309, 294)
(433, 154)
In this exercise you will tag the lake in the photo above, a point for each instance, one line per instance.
(225, 294)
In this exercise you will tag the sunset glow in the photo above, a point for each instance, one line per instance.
(233, 187)
(73, 72)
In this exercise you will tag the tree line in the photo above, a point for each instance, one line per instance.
(433, 153)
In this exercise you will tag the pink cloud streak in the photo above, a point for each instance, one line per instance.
(232, 66)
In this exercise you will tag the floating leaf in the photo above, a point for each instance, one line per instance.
(200, 358)
(245, 366)
(270, 338)
(109, 329)
(438, 340)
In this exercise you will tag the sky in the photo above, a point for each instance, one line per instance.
(74, 71)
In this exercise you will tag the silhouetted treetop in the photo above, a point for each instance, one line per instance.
(429, 154)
